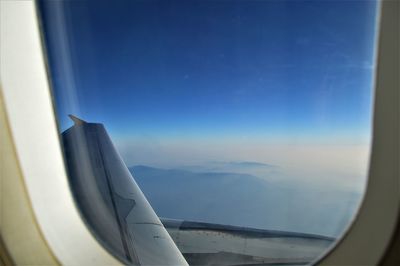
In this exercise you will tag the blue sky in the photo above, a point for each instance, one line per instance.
(215, 68)
(180, 83)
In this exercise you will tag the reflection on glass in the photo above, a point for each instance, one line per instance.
(246, 124)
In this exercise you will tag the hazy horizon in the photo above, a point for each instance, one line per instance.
(333, 166)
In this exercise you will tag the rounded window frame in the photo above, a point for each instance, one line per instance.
(28, 86)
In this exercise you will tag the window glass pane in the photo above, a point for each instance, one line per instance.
(246, 124)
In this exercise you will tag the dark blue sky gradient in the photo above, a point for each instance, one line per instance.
(215, 68)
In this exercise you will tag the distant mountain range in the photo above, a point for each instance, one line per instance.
(241, 164)
(245, 200)
(245, 167)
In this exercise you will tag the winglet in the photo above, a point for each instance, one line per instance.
(77, 121)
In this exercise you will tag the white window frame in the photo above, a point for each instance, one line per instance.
(32, 122)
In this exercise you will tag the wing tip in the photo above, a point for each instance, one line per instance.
(77, 121)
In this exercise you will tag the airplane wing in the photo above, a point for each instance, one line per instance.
(217, 244)
(122, 219)
(110, 201)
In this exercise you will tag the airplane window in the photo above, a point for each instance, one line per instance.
(214, 132)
